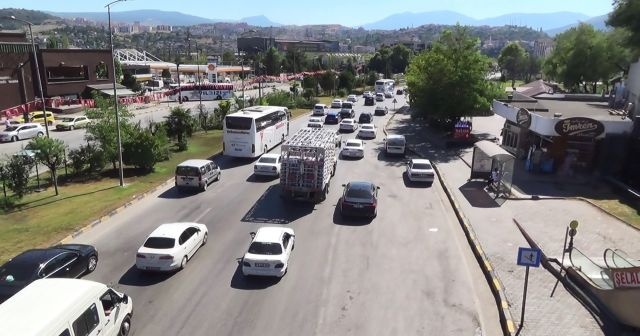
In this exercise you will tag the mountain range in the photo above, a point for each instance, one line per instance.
(552, 23)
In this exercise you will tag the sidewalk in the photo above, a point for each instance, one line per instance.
(544, 220)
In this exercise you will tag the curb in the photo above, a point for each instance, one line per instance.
(506, 320)
(134, 199)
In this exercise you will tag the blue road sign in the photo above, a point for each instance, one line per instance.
(529, 257)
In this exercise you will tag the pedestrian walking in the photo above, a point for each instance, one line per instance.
(7, 123)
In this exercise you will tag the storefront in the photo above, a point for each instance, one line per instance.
(557, 136)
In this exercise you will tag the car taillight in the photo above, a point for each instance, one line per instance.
(166, 257)
(141, 256)
(246, 264)
(253, 148)
(279, 265)
(274, 168)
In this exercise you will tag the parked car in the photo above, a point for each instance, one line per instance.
(369, 101)
(359, 199)
(333, 117)
(347, 113)
(268, 164)
(38, 117)
(170, 246)
(320, 110)
(365, 118)
(12, 122)
(379, 97)
(21, 132)
(269, 252)
(336, 103)
(196, 174)
(353, 148)
(72, 122)
(349, 125)
(60, 261)
(352, 98)
(381, 110)
(367, 131)
(420, 170)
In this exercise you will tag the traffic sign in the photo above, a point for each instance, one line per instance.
(529, 257)
(394, 100)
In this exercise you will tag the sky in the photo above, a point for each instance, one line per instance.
(348, 13)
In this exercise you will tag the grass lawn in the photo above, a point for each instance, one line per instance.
(621, 209)
(299, 112)
(44, 219)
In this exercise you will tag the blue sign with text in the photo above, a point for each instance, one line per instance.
(529, 257)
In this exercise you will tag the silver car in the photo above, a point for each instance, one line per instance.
(21, 132)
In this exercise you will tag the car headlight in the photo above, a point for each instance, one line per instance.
(279, 265)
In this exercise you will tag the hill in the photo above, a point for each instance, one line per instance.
(410, 20)
(35, 17)
(599, 22)
(145, 17)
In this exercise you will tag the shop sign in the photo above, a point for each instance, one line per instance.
(579, 127)
(626, 277)
(523, 118)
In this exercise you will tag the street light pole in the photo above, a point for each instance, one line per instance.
(35, 60)
(179, 88)
(115, 96)
(199, 79)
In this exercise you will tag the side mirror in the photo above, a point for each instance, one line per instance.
(252, 234)
(377, 187)
(124, 299)
(344, 185)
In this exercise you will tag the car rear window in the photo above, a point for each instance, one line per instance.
(11, 272)
(160, 243)
(421, 166)
(238, 123)
(352, 144)
(359, 193)
(395, 142)
(267, 160)
(265, 248)
(347, 105)
(187, 171)
(367, 127)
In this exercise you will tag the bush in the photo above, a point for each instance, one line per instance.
(87, 159)
(141, 150)
(342, 93)
(308, 93)
(15, 173)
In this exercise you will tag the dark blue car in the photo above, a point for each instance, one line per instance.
(333, 117)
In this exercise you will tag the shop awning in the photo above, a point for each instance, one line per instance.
(493, 150)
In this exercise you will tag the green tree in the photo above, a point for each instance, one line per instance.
(448, 81)
(626, 15)
(50, 152)
(166, 74)
(87, 159)
(15, 173)
(271, 61)
(380, 62)
(513, 62)
(131, 83)
(141, 150)
(399, 58)
(180, 125)
(327, 81)
(101, 131)
(295, 61)
(346, 80)
(372, 77)
(533, 66)
(228, 57)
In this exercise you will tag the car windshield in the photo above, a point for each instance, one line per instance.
(267, 160)
(421, 166)
(67, 119)
(359, 193)
(187, 171)
(353, 144)
(265, 248)
(238, 123)
(347, 121)
(11, 128)
(315, 120)
(160, 243)
(367, 127)
(13, 271)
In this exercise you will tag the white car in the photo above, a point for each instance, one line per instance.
(320, 109)
(336, 103)
(353, 148)
(420, 170)
(171, 246)
(379, 97)
(367, 94)
(352, 98)
(21, 132)
(348, 125)
(269, 252)
(367, 131)
(268, 165)
(315, 122)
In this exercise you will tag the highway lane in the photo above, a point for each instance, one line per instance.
(408, 271)
(142, 113)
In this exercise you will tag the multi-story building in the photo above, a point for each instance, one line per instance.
(252, 45)
(542, 48)
(163, 28)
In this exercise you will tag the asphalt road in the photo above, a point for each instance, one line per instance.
(407, 272)
(151, 112)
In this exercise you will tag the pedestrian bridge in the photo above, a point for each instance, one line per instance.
(133, 57)
(614, 279)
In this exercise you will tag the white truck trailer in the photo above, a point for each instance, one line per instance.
(308, 163)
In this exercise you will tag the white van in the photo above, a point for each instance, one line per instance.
(320, 110)
(395, 144)
(66, 307)
(196, 174)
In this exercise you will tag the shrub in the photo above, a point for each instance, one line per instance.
(87, 159)
(15, 173)
(342, 93)
(308, 93)
(141, 150)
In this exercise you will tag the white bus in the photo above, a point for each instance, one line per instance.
(209, 91)
(385, 86)
(255, 130)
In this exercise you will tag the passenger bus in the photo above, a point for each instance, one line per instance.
(255, 130)
(210, 91)
(385, 86)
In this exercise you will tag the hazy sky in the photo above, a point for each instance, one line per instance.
(348, 13)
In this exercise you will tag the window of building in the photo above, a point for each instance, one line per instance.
(102, 71)
(62, 73)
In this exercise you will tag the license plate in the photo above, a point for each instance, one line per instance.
(237, 149)
(262, 264)
(357, 205)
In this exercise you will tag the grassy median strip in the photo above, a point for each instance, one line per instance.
(44, 219)
(620, 208)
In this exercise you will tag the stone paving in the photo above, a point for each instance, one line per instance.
(544, 220)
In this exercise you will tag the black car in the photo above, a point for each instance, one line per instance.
(347, 113)
(369, 101)
(365, 118)
(359, 199)
(381, 110)
(60, 261)
(333, 117)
